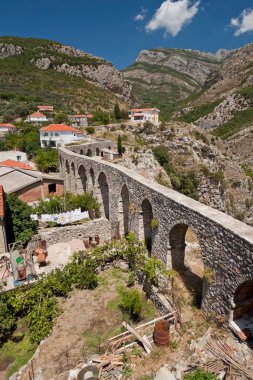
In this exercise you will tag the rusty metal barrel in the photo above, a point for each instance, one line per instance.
(162, 333)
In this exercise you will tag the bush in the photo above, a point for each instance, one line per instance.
(199, 374)
(90, 130)
(20, 226)
(131, 302)
(47, 160)
(56, 204)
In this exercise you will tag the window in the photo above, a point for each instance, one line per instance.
(45, 134)
(18, 158)
(52, 188)
(56, 134)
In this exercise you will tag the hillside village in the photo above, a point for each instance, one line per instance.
(126, 227)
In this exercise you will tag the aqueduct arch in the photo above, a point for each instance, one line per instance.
(89, 153)
(123, 209)
(145, 219)
(103, 194)
(188, 262)
(243, 299)
(81, 180)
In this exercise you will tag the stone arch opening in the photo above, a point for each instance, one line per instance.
(81, 151)
(109, 147)
(92, 176)
(145, 218)
(89, 153)
(243, 305)
(81, 180)
(60, 158)
(123, 208)
(73, 178)
(97, 152)
(68, 179)
(104, 194)
(186, 259)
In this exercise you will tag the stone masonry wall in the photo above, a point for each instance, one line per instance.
(100, 227)
(226, 243)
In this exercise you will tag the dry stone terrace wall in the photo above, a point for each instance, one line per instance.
(130, 202)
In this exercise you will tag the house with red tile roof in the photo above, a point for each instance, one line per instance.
(49, 109)
(16, 164)
(78, 120)
(140, 115)
(55, 135)
(36, 117)
(6, 127)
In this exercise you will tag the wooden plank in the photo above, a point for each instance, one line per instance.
(146, 345)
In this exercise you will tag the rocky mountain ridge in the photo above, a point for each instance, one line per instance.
(44, 68)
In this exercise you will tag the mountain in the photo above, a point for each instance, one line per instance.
(213, 91)
(163, 77)
(60, 75)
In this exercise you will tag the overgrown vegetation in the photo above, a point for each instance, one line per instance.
(241, 120)
(186, 183)
(200, 374)
(199, 112)
(47, 160)
(38, 305)
(61, 203)
(20, 227)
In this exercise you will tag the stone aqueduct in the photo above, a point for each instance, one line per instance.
(130, 202)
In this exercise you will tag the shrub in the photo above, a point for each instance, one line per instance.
(20, 226)
(131, 302)
(90, 130)
(154, 224)
(47, 160)
(199, 374)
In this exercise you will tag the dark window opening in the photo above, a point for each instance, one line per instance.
(52, 188)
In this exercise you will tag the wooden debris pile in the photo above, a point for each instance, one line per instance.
(111, 363)
(223, 353)
(142, 334)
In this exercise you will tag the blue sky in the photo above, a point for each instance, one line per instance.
(118, 29)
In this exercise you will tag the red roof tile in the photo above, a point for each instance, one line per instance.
(143, 109)
(37, 114)
(60, 128)
(15, 164)
(46, 108)
(1, 201)
(89, 116)
(7, 125)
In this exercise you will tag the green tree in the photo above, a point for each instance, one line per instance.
(120, 147)
(61, 117)
(47, 160)
(117, 112)
(20, 225)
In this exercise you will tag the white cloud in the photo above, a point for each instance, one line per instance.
(142, 15)
(173, 15)
(243, 23)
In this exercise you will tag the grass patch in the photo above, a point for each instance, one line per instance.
(240, 121)
(16, 351)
